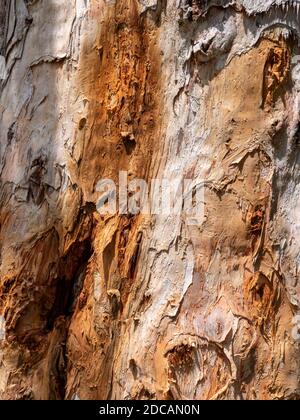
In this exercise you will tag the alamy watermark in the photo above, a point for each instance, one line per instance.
(165, 197)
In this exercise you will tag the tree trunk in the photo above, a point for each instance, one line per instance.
(149, 306)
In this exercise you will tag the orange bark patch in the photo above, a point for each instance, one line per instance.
(119, 77)
(276, 71)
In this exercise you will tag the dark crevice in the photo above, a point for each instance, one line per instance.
(73, 267)
(129, 144)
(58, 376)
(108, 256)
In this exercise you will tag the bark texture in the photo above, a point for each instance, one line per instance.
(136, 307)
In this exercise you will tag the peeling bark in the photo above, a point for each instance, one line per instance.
(135, 306)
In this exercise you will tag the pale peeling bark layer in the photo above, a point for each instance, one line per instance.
(136, 307)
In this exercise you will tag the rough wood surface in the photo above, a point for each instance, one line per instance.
(149, 307)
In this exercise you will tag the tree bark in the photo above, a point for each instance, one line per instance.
(148, 306)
